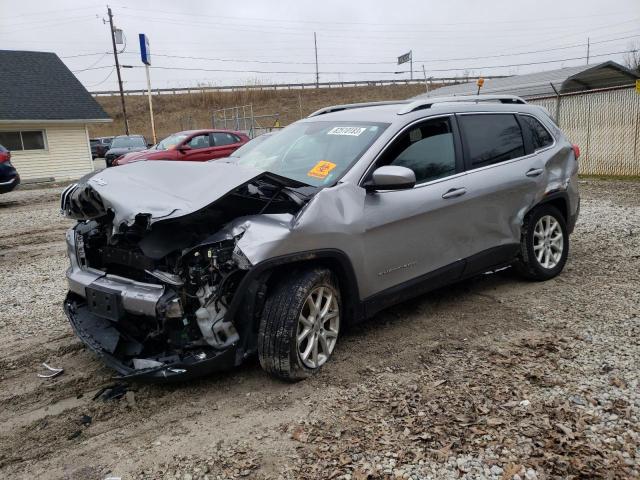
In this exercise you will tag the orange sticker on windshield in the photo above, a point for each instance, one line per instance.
(321, 169)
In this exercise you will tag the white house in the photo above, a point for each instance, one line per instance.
(44, 113)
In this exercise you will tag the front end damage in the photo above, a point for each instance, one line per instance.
(156, 295)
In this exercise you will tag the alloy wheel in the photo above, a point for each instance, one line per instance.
(548, 242)
(318, 327)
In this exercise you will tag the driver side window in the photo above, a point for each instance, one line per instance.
(427, 149)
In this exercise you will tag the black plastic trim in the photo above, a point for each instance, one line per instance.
(484, 261)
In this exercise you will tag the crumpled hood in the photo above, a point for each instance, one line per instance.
(162, 189)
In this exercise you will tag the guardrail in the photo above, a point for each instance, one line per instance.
(292, 86)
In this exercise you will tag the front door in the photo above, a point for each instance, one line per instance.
(421, 232)
(199, 148)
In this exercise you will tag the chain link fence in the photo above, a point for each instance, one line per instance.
(606, 126)
(242, 118)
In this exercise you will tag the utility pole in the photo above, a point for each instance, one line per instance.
(424, 72)
(115, 56)
(315, 45)
(588, 48)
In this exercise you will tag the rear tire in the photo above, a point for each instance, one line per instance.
(544, 244)
(300, 324)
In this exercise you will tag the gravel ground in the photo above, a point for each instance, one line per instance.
(492, 378)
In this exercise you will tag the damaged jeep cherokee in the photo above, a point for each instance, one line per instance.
(181, 269)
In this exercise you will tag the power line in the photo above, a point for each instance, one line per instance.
(280, 62)
(51, 11)
(113, 69)
(48, 23)
(195, 69)
(92, 68)
(235, 60)
(357, 35)
(315, 22)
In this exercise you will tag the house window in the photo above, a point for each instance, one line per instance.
(23, 140)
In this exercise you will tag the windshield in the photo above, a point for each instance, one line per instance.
(171, 141)
(315, 153)
(128, 142)
(250, 145)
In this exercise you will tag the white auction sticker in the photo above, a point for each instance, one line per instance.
(352, 131)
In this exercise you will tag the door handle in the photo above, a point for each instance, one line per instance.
(454, 192)
(534, 172)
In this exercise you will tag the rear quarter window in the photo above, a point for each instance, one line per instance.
(535, 132)
(491, 138)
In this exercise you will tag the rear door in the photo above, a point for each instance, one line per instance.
(503, 179)
(225, 144)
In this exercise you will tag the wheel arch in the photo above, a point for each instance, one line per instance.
(559, 199)
(248, 302)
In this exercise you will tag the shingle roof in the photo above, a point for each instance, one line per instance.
(38, 86)
(569, 79)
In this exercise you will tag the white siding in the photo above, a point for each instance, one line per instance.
(67, 154)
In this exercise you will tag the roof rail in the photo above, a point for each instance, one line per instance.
(349, 106)
(429, 102)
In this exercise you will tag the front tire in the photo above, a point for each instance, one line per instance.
(544, 244)
(300, 324)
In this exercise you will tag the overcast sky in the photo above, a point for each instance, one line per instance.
(249, 41)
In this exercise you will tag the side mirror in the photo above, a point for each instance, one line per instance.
(391, 177)
(149, 145)
(184, 147)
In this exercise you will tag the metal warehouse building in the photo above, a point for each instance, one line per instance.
(597, 106)
(551, 82)
(44, 113)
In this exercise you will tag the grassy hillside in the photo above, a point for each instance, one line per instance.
(184, 111)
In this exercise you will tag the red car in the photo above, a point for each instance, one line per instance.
(190, 145)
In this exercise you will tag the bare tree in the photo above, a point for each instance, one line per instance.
(632, 57)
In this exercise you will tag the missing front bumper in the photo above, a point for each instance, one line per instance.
(102, 337)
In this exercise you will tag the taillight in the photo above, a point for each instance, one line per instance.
(576, 150)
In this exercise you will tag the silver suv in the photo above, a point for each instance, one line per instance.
(179, 269)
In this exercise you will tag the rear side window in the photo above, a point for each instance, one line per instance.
(491, 138)
(535, 132)
(223, 138)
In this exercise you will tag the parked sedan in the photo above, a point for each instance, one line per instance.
(191, 145)
(9, 178)
(124, 144)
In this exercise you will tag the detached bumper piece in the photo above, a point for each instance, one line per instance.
(120, 352)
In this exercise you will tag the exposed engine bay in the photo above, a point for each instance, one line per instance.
(152, 295)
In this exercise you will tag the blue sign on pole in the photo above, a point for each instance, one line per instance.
(145, 52)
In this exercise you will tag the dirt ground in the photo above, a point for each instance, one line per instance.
(492, 378)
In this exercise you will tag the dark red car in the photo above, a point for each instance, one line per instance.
(190, 145)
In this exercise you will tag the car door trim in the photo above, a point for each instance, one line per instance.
(485, 261)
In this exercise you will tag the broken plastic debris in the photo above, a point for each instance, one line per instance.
(54, 371)
(143, 363)
(111, 392)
